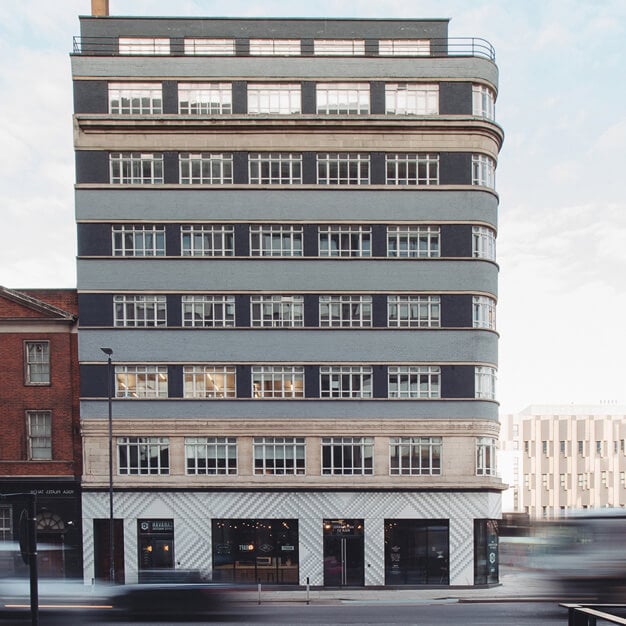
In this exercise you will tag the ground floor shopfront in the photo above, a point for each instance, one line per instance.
(332, 538)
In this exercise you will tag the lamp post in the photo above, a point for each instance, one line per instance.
(109, 353)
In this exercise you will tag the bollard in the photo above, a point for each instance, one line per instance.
(259, 588)
(307, 590)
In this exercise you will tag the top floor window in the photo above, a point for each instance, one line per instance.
(206, 46)
(483, 102)
(411, 99)
(275, 168)
(37, 361)
(136, 168)
(404, 47)
(138, 240)
(483, 243)
(279, 99)
(412, 169)
(144, 45)
(205, 98)
(277, 47)
(135, 98)
(483, 171)
(339, 47)
(343, 98)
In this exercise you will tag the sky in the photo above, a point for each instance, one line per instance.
(562, 220)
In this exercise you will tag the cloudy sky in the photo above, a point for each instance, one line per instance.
(562, 230)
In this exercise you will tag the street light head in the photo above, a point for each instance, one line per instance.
(107, 351)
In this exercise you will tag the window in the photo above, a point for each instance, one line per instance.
(483, 171)
(275, 168)
(346, 382)
(205, 98)
(527, 447)
(544, 481)
(345, 240)
(347, 455)
(276, 240)
(562, 447)
(209, 381)
(411, 99)
(404, 47)
(37, 361)
(412, 169)
(581, 448)
(599, 448)
(140, 381)
(208, 311)
(345, 311)
(281, 99)
(582, 481)
(207, 240)
(485, 456)
(483, 243)
(485, 381)
(144, 45)
(278, 47)
(149, 310)
(604, 478)
(210, 455)
(414, 382)
(135, 98)
(413, 241)
(143, 455)
(6, 526)
(343, 168)
(39, 435)
(339, 47)
(277, 311)
(413, 311)
(206, 46)
(279, 455)
(204, 168)
(526, 481)
(622, 478)
(415, 456)
(138, 240)
(278, 381)
(484, 312)
(136, 168)
(563, 481)
(483, 102)
(343, 98)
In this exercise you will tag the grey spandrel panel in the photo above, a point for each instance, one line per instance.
(289, 346)
(284, 275)
(284, 204)
(252, 410)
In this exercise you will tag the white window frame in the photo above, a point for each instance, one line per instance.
(404, 311)
(345, 311)
(413, 241)
(277, 381)
(342, 98)
(483, 243)
(205, 168)
(345, 241)
(483, 171)
(209, 381)
(347, 456)
(143, 456)
(207, 240)
(135, 98)
(278, 240)
(414, 381)
(411, 99)
(37, 363)
(136, 168)
(346, 381)
(275, 47)
(483, 312)
(144, 45)
(275, 168)
(483, 102)
(412, 168)
(404, 47)
(209, 46)
(277, 311)
(140, 241)
(6, 522)
(485, 382)
(279, 456)
(205, 98)
(208, 311)
(210, 456)
(139, 310)
(415, 456)
(141, 381)
(339, 47)
(486, 456)
(39, 425)
(343, 168)
(277, 99)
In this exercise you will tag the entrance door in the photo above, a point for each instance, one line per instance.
(343, 553)
(102, 561)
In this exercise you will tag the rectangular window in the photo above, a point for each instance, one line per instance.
(484, 312)
(581, 448)
(411, 99)
(204, 168)
(414, 382)
(622, 478)
(138, 240)
(483, 171)
(276, 240)
(343, 168)
(581, 481)
(485, 456)
(604, 478)
(139, 311)
(527, 447)
(140, 381)
(413, 241)
(205, 98)
(278, 381)
(6, 525)
(415, 456)
(281, 99)
(544, 481)
(347, 455)
(136, 168)
(277, 47)
(144, 45)
(343, 98)
(413, 311)
(346, 382)
(208, 311)
(275, 168)
(135, 98)
(339, 47)
(563, 481)
(345, 241)
(143, 455)
(277, 311)
(485, 382)
(412, 169)
(39, 435)
(207, 240)
(483, 243)
(345, 311)
(209, 381)
(483, 102)
(404, 47)
(210, 455)
(544, 447)
(279, 455)
(37, 362)
(209, 46)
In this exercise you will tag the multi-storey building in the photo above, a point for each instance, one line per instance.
(286, 236)
(560, 458)
(40, 445)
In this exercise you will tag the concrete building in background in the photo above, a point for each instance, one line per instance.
(286, 235)
(560, 458)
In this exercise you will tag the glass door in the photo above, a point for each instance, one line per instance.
(343, 553)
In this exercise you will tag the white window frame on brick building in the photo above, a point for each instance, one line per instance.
(276, 240)
(136, 168)
(208, 310)
(345, 241)
(139, 310)
(413, 311)
(39, 425)
(143, 455)
(278, 99)
(279, 456)
(346, 381)
(205, 98)
(210, 456)
(135, 98)
(411, 99)
(141, 381)
(347, 456)
(37, 362)
(342, 98)
(275, 168)
(209, 381)
(412, 168)
(343, 168)
(205, 168)
(131, 240)
(277, 311)
(414, 381)
(277, 381)
(415, 456)
(207, 240)
(345, 311)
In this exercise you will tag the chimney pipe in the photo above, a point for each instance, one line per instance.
(100, 8)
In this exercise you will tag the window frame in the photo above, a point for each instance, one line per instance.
(289, 236)
(277, 311)
(209, 46)
(485, 382)
(342, 98)
(346, 381)
(345, 311)
(269, 452)
(411, 99)
(404, 47)
(412, 169)
(277, 382)
(414, 382)
(143, 45)
(415, 456)
(349, 241)
(205, 98)
(483, 102)
(207, 240)
(343, 168)
(150, 381)
(143, 168)
(413, 311)
(139, 310)
(339, 47)
(196, 380)
(135, 447)
(43, 365)
(483, 171)
(274, 99)
(39, 432)
(347, 456)
(208, 303)
(483, 312)
(413, 242)
(143, 98)
(139, 234)
(483, 243)
(275, 168)
(221, 450)
(205, 168)
(486, 456)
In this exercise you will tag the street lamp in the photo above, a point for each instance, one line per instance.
(109, 352)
